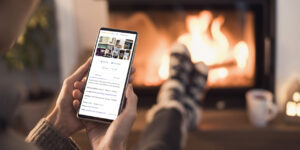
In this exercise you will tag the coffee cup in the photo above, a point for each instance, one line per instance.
(260, 107)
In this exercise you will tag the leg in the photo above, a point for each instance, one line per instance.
(163, 133)
(176, 111)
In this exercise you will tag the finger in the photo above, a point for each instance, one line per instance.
(79, 85)
(125, 120)
(84, 79)
(132, 71)
(131, 78)
(81, 71)
(76, 104)
(77, 94)
(132, 99)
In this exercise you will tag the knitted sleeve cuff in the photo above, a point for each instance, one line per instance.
(47, 138)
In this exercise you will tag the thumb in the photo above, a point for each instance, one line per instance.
(81, 71)
(132, 99)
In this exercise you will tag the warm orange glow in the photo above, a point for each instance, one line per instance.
(298, 109)
(291, 109)
(241, 54)
(157, 68)
(164, 68)
(209, 44)
(296, 97)
(217, 74)
(202, 46)
(220, 39)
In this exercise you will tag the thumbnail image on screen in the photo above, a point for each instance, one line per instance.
(114, 48)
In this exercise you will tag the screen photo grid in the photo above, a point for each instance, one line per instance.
(111, 47)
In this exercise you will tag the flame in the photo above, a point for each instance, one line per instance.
(216, 74)
(157, 68)
(209, 38)
(164, 68)
(211, 45)
(241, 54)
(202, 46)
(208, 43)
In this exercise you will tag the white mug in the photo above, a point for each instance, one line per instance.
(260, 106)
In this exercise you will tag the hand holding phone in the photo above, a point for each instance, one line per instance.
(62, 117)
(115, 135)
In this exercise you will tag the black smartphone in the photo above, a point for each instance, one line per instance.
(103, 95)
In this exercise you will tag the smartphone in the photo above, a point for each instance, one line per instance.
(103, 95)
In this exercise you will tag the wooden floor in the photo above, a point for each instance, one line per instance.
(237, 140)
(226, 130)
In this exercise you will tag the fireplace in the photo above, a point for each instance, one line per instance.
(235, 38)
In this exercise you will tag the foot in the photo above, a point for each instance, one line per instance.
(197, 82)
(185, 85)
(183, 90)
(180, 69)
(195, 94)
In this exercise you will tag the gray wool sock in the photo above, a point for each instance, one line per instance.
(197, 82)
(185, 84)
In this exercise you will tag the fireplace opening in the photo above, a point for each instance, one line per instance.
(224, 40)
(230, 37)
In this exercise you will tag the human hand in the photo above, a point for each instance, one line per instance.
(63, 116)
(111, 136)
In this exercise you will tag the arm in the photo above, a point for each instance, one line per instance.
(53, 132)
(46, 137)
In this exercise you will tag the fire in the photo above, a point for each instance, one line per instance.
(241, 54)
(209, 47)
(159, 60)
(224, 40)
(216, 74)
(164, 68)
(208, 43)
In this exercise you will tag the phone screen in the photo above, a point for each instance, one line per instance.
(106, 82)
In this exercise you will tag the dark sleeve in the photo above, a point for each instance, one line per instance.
(47, 138)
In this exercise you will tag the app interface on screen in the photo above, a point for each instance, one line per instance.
(107, 76)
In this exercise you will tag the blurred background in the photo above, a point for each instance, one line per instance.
(248, 44)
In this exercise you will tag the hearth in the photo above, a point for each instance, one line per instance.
(235, 38)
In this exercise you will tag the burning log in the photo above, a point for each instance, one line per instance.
(227, 63)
